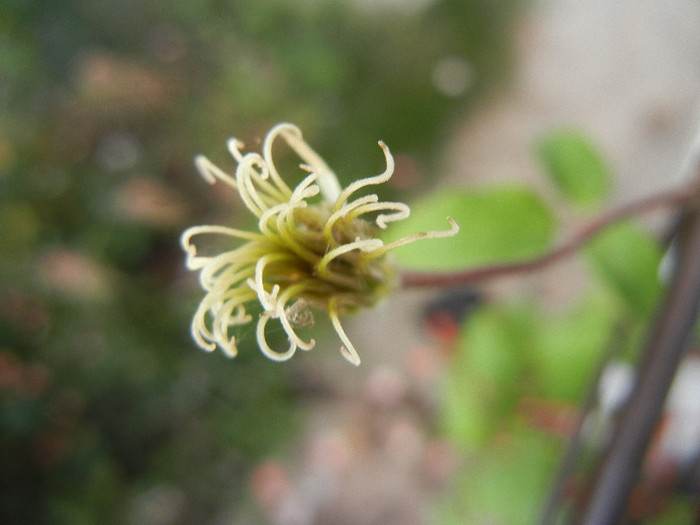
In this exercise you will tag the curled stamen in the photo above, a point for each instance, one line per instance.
(401, 212)
(286, 224)
(328, 182)
(220, 332)
(288, 130)
(454, 230)
(234, 147)
(265, 348)
(288, 232)
(348, 350)
(365, 245)
(368, 181)
(267, 300)
(345, 213)
(245, 175)
(200, 333)
(211, 172)
(195, 262)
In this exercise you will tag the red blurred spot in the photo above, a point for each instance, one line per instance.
(406, 173)
(442, 326)
(440, 461)
(270, 484)
(556, 417)
(425, 362)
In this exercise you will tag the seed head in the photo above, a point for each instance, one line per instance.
(317, 247)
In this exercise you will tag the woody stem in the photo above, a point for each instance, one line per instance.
(672, 198)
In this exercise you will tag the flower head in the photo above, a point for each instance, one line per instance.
(316, 247)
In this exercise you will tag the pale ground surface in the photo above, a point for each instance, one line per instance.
(625, 72)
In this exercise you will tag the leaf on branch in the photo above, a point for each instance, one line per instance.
(497, 225)
(575, 166)
(627, 260)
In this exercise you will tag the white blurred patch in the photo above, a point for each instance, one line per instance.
(453, 76)
(681, 439)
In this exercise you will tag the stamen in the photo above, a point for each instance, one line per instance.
(191, 249)
(230, 349)
(348, 350)
(267, 300)
(415, 237)
(402, 212)
(210, 172)
(344, 213)
(246, 187)
(368, 181)
(267, 154)
(225, 269)
(234, 147)
(365, 245)
(288, 234)
(327, 180)
(227, 344)
(266, 186)
(198, 328)
(265, 348)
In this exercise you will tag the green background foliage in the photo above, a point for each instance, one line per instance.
(105, 402)
(496, 225)
(574, 166)
(514, 355)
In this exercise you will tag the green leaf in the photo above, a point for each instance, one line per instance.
(496, 225)
(508, 480)
(466, 417)
(481, 388)
(494, 342)
(575, 166)
(627, 260)
(568, 347)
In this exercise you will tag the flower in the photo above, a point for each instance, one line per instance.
(315, 248)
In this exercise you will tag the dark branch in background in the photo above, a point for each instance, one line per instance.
(553, 509)
(618, 470)
(667, 343)
(662, 200)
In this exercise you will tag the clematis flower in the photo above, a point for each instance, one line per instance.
(316, 248)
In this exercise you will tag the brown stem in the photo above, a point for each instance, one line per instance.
(666, 346)
(662, 200)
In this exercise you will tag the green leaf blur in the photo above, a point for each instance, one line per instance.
(496, 225)
(627, 259)
(575, 167)
(111, 409)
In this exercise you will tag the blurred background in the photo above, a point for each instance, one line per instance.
(108, 411)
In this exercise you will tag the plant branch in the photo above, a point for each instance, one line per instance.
(553, 509)
(663, 200)
(666, 345)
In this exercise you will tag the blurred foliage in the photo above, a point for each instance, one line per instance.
(108, 413)
(511, 396)
(628, 260)
(498, 224)
(575, 167)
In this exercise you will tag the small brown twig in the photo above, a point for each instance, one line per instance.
(671, 198)
(666, 345)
